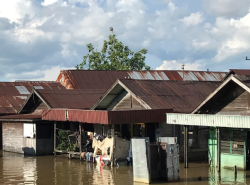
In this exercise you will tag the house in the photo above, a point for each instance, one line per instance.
(136, 108)
(225, 114)
(181, 96)
(14, 94)
(27, 133)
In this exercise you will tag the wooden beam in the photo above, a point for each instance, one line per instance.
(218, 149)
(185, 146)
(55, 138)
(80, 138)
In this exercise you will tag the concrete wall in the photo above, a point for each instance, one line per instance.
(13, 137)
(13, 141)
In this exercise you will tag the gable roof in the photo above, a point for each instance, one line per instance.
(68, 99)
(181, 96)
(92, 79)
(14, 94)
(233, 80)
(238, 72)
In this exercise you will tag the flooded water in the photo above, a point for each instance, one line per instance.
(50, 170)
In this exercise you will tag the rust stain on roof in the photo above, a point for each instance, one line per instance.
(91, 79)
(11, 99)
(71, 99)
(181, 96)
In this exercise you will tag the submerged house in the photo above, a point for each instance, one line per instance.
(128, 94)
(14, 94)
(27, 133)
(91, 86)
(225, 114)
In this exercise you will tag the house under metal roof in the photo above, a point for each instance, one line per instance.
(14, 94)
(181, 96)
(92, 79)
(69, 99)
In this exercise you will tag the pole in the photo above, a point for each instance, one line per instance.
(55, 138)
(185, 146)
(80, 138)
(218, 150)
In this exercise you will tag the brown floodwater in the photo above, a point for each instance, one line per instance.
(50, 170)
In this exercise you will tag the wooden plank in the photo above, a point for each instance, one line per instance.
(55, 138)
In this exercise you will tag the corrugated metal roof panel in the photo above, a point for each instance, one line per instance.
(90, 79)
(182, 96)
(11, 99)
(71, 99)
(208, 120)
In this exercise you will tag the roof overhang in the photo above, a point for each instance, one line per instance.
(208, 120)
(106, 117)
(21, 118)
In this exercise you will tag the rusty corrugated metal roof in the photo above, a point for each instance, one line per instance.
(181, 96)
(71, 99)
(107, 117)
(11, 99)
(91, 79)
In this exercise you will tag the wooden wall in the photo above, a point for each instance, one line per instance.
(125, 101)
(13, 137)
(235, 103)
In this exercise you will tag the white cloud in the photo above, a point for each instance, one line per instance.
(177, 65)
(172, 6)
(193, 19)
(38, 75)
(36, 38)
(49, 2)
(227, 7)
(235, 35)
(15, 10)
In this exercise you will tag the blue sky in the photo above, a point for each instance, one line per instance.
(40, 37)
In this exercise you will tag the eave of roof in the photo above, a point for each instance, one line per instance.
(21, 117)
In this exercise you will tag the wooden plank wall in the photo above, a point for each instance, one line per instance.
(13, 137)
(125, 101)
(236, 103)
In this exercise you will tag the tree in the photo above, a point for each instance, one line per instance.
(114, 56)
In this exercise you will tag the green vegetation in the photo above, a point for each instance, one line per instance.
(114, 56)
(64, 141)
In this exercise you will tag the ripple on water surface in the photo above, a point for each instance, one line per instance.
(50, 170)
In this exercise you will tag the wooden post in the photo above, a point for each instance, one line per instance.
(55, 138)
(218, 150)
(80, 138)
(235, 172)
(113, 136)
(185, 146)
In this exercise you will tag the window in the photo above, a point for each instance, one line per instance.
(38, 87)
(232, 141)
(29, 130)
(22, 90)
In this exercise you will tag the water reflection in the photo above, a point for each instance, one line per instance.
(17, 169)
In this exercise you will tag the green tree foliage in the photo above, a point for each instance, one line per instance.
(64, 141)
(114, 56)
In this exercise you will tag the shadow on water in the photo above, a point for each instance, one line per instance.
(48, 170)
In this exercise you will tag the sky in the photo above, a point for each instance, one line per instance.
(38, 38)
